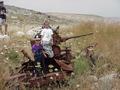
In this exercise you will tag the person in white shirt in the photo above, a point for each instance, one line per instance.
(46, 39)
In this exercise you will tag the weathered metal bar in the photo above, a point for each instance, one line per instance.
(67, 38)
(16, 76)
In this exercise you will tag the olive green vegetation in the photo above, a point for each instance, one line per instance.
(81, 65)
(13, 56)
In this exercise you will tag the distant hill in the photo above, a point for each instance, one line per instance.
(77, 17)
(26, 16)
(21, 15)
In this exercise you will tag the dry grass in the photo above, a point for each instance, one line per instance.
(106, 35)
(108, 38)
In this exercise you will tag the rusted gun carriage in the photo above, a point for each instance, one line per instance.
(57, 40)
(32, 74)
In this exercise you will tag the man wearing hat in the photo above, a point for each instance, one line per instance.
(3, 17)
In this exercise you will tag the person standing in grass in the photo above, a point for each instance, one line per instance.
(3, 17)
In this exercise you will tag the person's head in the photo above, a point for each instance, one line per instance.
(46, 24)
(1, 3)
(37, 41)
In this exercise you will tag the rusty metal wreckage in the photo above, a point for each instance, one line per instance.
(59, 67)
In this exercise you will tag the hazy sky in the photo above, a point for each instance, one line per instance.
(107, 8)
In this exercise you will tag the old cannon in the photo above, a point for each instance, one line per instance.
(31, 74)
(57, 40)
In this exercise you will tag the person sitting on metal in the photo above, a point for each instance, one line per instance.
(37, 50)
(47, 39)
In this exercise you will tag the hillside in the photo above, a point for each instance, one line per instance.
(20, 16)
(26, 16)
(35, 17)
(77, 17)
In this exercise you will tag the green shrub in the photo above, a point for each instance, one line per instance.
(13, 56)
(81, 65)
(118, 69)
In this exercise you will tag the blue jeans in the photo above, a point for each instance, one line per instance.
(38, 56)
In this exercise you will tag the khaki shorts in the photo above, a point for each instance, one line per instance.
(2, 21)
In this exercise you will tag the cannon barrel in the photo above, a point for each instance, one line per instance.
(67, 38)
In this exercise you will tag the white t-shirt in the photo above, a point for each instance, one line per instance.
(46, 34)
